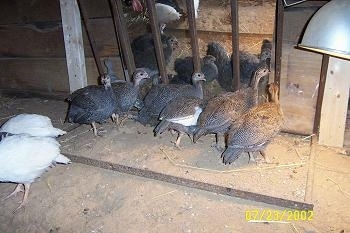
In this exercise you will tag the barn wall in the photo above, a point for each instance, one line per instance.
(300, 71)
(32, 53)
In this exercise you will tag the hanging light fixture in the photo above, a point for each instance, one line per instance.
(328, 31)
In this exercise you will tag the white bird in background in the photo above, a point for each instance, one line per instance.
(24, 158)
(31, 124)
(167, 10)
(166, 13)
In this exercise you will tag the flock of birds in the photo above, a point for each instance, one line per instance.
(28, 145)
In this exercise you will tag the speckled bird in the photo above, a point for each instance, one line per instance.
(256, 129)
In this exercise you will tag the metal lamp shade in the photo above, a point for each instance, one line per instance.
(328, 31)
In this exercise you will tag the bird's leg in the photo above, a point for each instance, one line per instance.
(173, 132)
(25, 197)
(94, 128)
(251, 157)
(115, 118)
(178, 139)
(263, 153)
(14, 193)
(217, 143)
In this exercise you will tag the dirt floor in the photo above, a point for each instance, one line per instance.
(80, 198)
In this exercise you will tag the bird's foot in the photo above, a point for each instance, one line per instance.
(176, 145)
(266, 158)
(22, 205)
(19, 188)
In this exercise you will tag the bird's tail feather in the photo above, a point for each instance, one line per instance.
(58, 132)
(143, 117)
(62, 159)
(231, 154)
(198, 133)
(161, 127)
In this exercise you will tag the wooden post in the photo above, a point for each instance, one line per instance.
(235, 46)
(123, 37)
(73, 41)
(335, 103)
(152, 13)
(88, 29)
(321, 87)
(278, 40)
(194, 37)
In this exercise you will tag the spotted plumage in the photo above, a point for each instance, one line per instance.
(223, 110)
(92, 104)
(160, 95)
(255, 130)
(181, 115)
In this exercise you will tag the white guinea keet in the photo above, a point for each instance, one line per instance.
(31, 124)
(24, 158)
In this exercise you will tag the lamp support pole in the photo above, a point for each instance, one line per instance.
(321, 86)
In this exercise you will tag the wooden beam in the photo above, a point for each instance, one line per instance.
(123, 37)
(321, 87)
(335, 103)
(193, 35)
(152, 14)
(88, 29)
(278, 40)
(73, 41)
(235, 46)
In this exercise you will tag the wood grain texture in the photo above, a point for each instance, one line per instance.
(335, 103)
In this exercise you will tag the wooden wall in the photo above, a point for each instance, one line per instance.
(32, 54)
(300, 71)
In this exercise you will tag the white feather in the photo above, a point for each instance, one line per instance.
(31, 124)
(166, 13)
(23, 158)
(189, 120)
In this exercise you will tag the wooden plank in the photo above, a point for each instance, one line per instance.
(47, 40)
(335, 103)
(48, 76)
(299, 80)
(19, 11)
(74, 46)
(39, 42)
